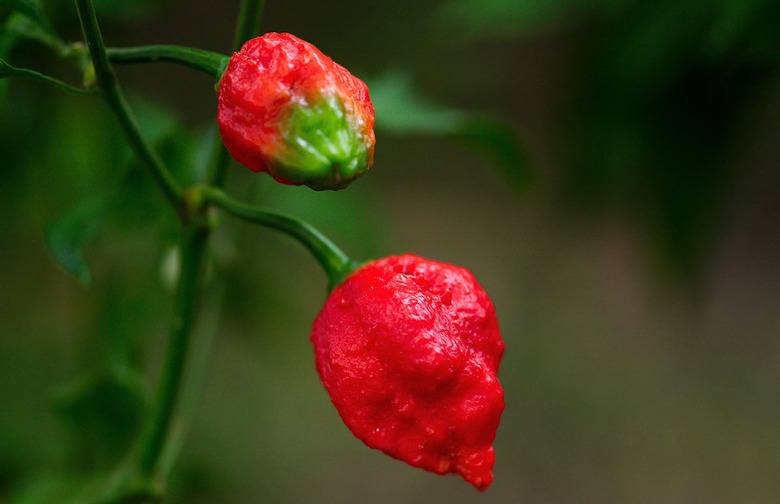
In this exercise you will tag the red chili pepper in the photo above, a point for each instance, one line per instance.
(286, 108)
(409, 350)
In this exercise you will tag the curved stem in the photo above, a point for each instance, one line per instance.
(332, 259)
(118, 104)
(208, 62)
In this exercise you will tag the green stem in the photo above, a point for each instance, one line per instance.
(142, 477)
(150, 442)
(333, 260)
(208, 62)
(194, 379)
(156, 446)
(220, 161)
(248, 22)
(116, 101)
(247, 27)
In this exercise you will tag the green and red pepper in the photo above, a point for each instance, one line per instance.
(287, 109)
(407, 348)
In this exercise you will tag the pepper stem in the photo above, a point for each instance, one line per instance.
(208, 62)
(333, 260)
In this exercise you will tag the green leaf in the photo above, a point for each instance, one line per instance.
(487, 19)
(30, 8)
(401, 109)
(18, 26)
(122, 10)
(45, 486)
(500, 142)
(176, 143)
(104, 411)
(67, 235)
(7, 71)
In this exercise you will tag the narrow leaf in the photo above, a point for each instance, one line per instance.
(401, 109)
(500, 142)
(30, 8)
(18, 26)
(104, 410)
(67, 235)
(470, 20)
(7, 70)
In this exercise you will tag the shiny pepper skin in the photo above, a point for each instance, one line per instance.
(408, 350)
(287, 109)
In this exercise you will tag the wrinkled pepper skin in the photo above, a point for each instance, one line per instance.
(287, 109)
(408, 350)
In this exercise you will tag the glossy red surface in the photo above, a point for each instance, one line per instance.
(409, 351)
(265, 79)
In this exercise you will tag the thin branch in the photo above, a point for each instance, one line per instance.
(208, 62)
(332, 259)
(107, 83)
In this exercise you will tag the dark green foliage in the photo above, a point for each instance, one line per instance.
(403, 110)
(662, 92)
(619, 389)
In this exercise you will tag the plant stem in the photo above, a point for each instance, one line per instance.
(194, 378)
(220, 160)
(247, 27)
(107, 83)
(208, 62)
(156, 447)
(150, 442)
(332, 259)
(248, 22)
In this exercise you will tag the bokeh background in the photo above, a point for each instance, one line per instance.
(608, 169)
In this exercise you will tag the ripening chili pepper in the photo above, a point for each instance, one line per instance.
(408, 350)
(286, 108)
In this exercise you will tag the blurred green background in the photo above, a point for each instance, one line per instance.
(608, 170)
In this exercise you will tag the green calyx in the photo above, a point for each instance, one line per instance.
(321, 148)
